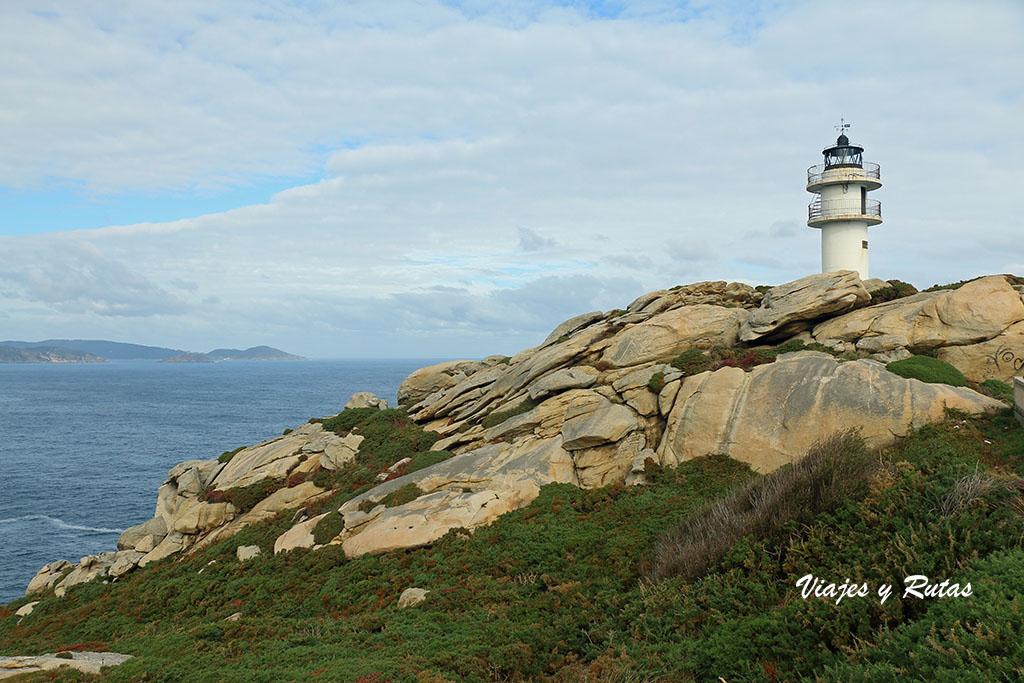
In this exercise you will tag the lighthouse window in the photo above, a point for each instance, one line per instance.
(863, 244)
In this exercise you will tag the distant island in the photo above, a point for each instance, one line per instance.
(46, 354)
(254, 353)
(98, 351)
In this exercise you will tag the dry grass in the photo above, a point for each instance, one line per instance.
(834, 469)
(975, 487)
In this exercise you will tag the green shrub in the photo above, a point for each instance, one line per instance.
(244, 498)
(928, 369)
(227, 455)
(524, 406)
(401, 496)
(895, 289)
(426, 459)
(657, 382)
(388, 435)
(764, 289)
(998, 390)
(328, 528)
(691, 362)
(287, 431)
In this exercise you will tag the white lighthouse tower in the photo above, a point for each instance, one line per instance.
(842, 209)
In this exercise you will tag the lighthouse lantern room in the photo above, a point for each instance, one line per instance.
(842, 209)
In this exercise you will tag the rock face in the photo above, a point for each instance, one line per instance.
(1001, 357)
(434, 378)
(590, 406)
(665, 335)
(976, 312)
(772, 415)
(790, 308)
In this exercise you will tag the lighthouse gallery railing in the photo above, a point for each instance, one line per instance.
(843, 207)
(867, 170)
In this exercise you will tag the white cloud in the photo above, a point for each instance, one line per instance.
(485, 170)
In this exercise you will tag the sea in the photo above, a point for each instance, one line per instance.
(84, 446)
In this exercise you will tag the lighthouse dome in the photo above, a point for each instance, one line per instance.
(842, 140)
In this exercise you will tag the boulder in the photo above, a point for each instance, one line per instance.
(174, 542)
(125, 561)
(340, 450)
(365, 399)
(196, 516)
(771, 415)
(425, 381)
(299, 536)
(665, 335)
(247, 552)
(572, 325)
(608, 423)
(26, 609)
(560, 380)
(431, 516)
(411, 597)
(155, 530)
(47, 577)
(531, 366)
(790, 308)
(1001, 357)
(873, 283)
(976, 312)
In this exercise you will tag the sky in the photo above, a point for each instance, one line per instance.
(453, 179)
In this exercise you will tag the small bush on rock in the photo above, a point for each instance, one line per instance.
(406, 494)
(928, 369)
(328, 528)
(691, 362)
(227, 455)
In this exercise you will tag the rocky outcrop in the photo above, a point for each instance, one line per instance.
(590, 406)
(86, 662)
(790, 308)
(434, 378)
(976, 312)
(665, 335)
(770, 417)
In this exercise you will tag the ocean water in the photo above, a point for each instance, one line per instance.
(84, 447)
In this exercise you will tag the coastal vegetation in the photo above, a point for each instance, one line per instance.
(928, 369)
(572, 586)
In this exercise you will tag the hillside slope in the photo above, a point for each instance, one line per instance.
(553, 505)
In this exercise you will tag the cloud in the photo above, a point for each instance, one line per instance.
(467, 175)
(529, 240)
(78, 277)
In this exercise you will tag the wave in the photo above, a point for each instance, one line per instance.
(60, 524)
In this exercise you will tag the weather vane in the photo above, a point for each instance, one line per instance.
(842, 126)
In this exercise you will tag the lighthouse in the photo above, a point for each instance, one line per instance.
(841, 209)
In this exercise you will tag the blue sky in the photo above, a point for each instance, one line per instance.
(451, 179)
